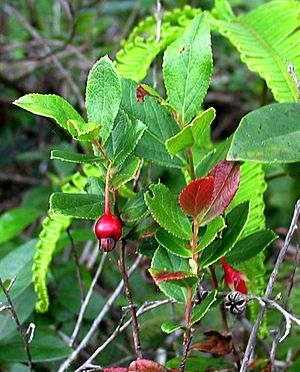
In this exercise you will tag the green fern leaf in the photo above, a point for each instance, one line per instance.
(53, 228)
(268, 39)
(140, 49)
(252, 187)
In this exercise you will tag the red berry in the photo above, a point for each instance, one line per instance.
(108, 230)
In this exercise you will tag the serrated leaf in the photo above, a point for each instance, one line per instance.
(16, 220)
(200, 311)
(196, 196)
(50, 106)
(152, 114)
(103, 95)
(166, 211)
(236, 221)
(82, 206)
(135, 208)
(226, 182)
(169, 327)
(164, 260)
(186, 61)
(83, 131)
(75, 157)
(192, 133)
(173, 244)
(147, 247)
(250, 246)
(269, 134)
(211, 232)
(125, 172)
(124, 137)
(95, 185)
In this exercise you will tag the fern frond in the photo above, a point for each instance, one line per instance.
(53, 228)
(140, 49)
(268, 39)
(252, 187)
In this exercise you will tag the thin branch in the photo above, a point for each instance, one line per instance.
(292, 71)
(77, 265)
(33, 32)
(66, 364)
(86, 301)
(19, 325)
(159, 15)
(135, 324)
(253, 335)
(147, 306)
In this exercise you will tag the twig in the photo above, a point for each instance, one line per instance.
(287, 296)
(252, 338)
(86, 301)
(159, 16)
(135, 324)
(98, 320)
(19, 325)
(76, 260)
(292, 71)
(33, 32)
(147, 306)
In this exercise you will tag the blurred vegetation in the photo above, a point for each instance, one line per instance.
(48, 47)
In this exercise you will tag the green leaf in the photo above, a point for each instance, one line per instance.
(250, 246)
(236, 221)
(18, 264)
(200, 311)
(125, 172)
(95, 185)
(103, 95)
(164, 260)
(46, 346)
(50, 106)
(192, 133)
(169, 327)
(16, 220)
(82, 206)
(187, 68)
(173, 244)
(74, 157)
(267, 39)
(211, 231)
(167, 213)
(135, 208)
(83, 131)
(124, 138)
(270, 134)
(152, 114)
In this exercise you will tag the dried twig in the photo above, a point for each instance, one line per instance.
(159, 16)
(252, 339)
(135, 325)
(65, 365)
(292, 71)
(86, 301)
(33, 32)
(147, 306)
(21, 329)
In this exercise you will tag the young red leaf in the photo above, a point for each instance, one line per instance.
(226, 183)
(234, 279)
(141, 92)
(197, 196)
(115, 369)
(145, 365)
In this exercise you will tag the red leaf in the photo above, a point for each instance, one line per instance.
(197, 195)
(216, 343)
(115, 369)
(145, 365)
(162, 276)
(234, 279)
(141, 92)
(227, 179)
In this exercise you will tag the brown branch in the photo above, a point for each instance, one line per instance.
(19, 325)
(253, 335)
(135, 325)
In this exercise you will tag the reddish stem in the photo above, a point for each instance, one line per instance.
(106, 197)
